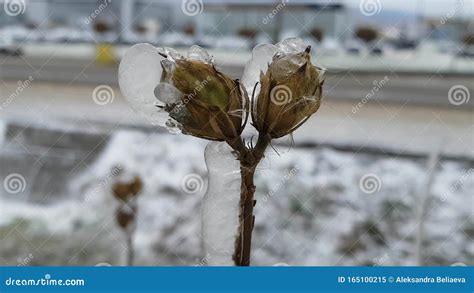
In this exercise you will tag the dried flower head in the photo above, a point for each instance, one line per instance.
(210, 104)
(290, 92)
(124, 217)
(125, 191)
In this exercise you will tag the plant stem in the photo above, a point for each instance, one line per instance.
(249, 159)
(130, 252)
(246, 217)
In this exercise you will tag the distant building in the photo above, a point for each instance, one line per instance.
(273, 17)
(453, 29)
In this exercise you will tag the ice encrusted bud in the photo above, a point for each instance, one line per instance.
(209, 104)
(186, 94)
(290, 92)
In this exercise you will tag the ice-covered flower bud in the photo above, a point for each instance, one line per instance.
(290, 88)
(208, 104)
(186, 94)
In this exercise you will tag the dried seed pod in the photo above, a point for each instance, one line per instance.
(124, 191)
(210, 104)
(124, 217)
(290, 92)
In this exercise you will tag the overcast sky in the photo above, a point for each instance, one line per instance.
(431, 7)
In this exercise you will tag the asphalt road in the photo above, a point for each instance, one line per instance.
(419, 89)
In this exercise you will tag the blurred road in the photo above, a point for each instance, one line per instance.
(402, 127)
(404, 111)
(422, 89)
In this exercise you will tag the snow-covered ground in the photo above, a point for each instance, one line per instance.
(314, 207)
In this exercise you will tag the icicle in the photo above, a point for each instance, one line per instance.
(221, 204)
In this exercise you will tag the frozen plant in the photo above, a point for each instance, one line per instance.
(125, 191)
(191, 95)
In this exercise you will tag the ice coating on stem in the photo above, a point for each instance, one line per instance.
(139, 73)
(221, 204)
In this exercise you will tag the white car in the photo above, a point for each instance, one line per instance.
(20, 33)
(7, 46)
(68, 34)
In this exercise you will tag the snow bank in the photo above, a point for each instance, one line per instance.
(313, 208)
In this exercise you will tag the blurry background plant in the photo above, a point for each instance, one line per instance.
(469, 40)
(102, 26)
(126, 191)
(367, 34)
(104, 50)
(203, 102)
(317, 33)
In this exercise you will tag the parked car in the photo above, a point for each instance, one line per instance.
(68, 34)
(21, 34)
(7, 47)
